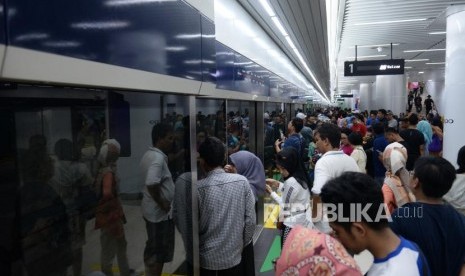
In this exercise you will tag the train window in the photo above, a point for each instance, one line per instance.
(238, 121)
(77, 191)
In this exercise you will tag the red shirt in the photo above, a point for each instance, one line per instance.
(360, 128)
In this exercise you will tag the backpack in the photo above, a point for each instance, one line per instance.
(401, 194)
(435, 145)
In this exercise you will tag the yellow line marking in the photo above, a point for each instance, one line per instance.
(271, 213)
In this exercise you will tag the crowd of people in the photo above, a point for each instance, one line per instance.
(350, 181)
(388, 166)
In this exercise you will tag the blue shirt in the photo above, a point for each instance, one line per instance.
(439, 230)
(296, 141)
(379, 144)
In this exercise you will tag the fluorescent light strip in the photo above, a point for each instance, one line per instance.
(423, 50)
(374, 45)
(437, 33)
(408, 67)
(278, 24)
(289, 41)
(421, 72)
(435, 63)
(414, 60)
(390, 21)
(368, 56)
(280, 27)
(269, 10)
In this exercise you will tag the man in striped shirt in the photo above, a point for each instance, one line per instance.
(226, 213)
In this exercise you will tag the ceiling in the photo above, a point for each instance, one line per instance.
(360, 25)
(359, 28)
(305, 21)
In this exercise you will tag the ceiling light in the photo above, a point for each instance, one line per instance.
(379, 49)
(413, 60)
(289, 41)
(373, 56)
(435, 63)
(267, 7)
(421, 72)
(278, 24)
(374, 45)
(408, 67)
(423, 50)
(436, 33)
(391, 21)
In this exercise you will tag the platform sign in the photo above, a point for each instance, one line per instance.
(374, 67)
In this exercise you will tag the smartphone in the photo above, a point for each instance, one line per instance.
(282, 135)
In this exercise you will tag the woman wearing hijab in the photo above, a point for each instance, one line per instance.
(395, 187)
(309, 252)
(425, 128)
(295, 199)
(109, 215)
(247, 164)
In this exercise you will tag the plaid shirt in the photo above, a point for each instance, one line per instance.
(227, 219)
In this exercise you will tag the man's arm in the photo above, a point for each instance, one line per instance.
(157, 195)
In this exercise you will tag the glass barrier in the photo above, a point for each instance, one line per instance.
(75, 201)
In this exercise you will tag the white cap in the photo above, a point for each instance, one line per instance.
(266, 116)
(300, 115)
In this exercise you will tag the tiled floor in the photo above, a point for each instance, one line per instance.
(136, 236)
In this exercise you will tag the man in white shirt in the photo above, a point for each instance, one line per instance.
(332, 164)
(157, 198)
(392, 122)
(359, 220)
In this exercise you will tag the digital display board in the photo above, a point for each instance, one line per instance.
(374, 67)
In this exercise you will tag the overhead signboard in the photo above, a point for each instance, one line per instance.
(346, 95)
(374, 67)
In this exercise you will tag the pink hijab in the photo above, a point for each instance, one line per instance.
(310, 252)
